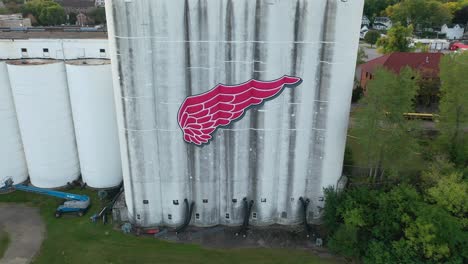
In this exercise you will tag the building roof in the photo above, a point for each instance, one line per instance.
(426, 63)
(52, 35)
(77, 3)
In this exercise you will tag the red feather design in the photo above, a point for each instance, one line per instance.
(200, 115)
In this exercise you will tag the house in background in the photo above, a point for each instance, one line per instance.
(425, 64)
(77, 6)
(382, 23)
(100, 3)
(363, 32)
(452, 31)
(14, 20)
(365, 21)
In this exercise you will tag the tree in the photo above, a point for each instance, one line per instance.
(52, 15)
(394, 226)
(46, 12)
(451, 193)
(72, 18)
(397, 39)
(383, 133)
(373, 8)
(461, 16)
(362, 56)
(371, 37)
(98, 15)
(454, 108)
(420, 13)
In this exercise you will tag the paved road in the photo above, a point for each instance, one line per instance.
(26, 230)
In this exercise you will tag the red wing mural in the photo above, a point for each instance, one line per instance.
(200, 115)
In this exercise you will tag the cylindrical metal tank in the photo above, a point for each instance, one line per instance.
(42, 103)
(286, 148)
(93, 109)
(13, 163)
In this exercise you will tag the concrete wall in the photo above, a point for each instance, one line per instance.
(287, 148)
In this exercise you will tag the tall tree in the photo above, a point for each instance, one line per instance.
(420, 13)
(461, 16)
(372, 36)
(382, 130)
(373, 8)
(98, 15)
(397, 39)
(46, 12)
(454, 107)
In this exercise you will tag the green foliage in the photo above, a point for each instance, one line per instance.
(461, 16)
(454, 108)
(4, 242)
(397, 40)
(345, 241)
(362, 56)
(373, 8)
(382, 131)
(371, 37)
(428, 92)
(72, 18)
(394, 226)
(98, 15)
(451, 193)
(421, 13)
(46, 12)
(439, 168)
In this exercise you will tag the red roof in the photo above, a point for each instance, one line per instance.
(427, 63)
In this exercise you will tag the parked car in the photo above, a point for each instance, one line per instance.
(458, 46)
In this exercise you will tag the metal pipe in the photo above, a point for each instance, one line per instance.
(188, 216)
(305, 204)
(247, 209)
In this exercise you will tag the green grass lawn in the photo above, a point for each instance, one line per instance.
(77, 240)
(4, 241)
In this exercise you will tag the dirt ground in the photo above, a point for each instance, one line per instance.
(255, 237)
(26, 230)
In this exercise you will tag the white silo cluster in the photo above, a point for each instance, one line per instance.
(66, 122)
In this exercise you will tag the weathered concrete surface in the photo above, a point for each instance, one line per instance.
(26, 230)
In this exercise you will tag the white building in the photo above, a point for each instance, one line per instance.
(100, 3)
(53, 45)
(363, 32)
(365, 21)
(382, 23)
(452, 31)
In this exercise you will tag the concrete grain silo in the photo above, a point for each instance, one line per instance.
(42, 103)
(12, 161)
(221, 100)
(93, 108)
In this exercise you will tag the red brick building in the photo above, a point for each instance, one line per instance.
(427, 64)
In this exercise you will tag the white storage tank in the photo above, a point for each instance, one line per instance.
(12, 161)
(93, 109)
(42, 103)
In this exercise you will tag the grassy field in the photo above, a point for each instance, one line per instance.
(4, 241)
(77, 240)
